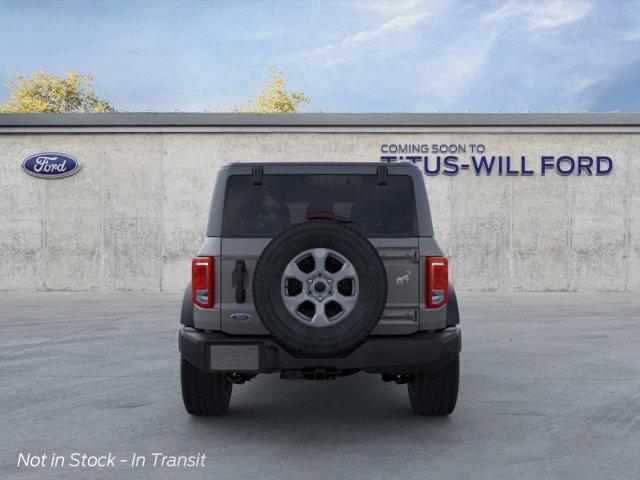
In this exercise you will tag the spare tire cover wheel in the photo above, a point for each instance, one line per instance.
(320, 288)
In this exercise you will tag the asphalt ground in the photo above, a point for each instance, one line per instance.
(550, 389)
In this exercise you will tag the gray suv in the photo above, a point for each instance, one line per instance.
(318, 271)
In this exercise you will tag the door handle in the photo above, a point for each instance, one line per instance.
(238, 281)
(412, 255)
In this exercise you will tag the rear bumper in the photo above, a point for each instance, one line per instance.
(219, 352)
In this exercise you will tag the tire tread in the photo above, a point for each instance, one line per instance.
(204, 394)
(435, 393)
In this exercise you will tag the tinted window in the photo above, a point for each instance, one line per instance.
(284, 200)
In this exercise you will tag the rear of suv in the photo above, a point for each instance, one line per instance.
(319, 270)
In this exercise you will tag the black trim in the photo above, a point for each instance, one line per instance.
(420, 352)
(238, 281)
(186, 313)
(383, 173)
(453, 314)
(256, 173)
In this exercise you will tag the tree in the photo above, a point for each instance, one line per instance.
(273, 98)
(43, 92)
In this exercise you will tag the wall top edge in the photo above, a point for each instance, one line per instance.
(316, 120)
(320, 130)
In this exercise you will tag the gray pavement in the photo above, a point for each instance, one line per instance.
(550, 389)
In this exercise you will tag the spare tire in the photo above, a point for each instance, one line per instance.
(320, 288)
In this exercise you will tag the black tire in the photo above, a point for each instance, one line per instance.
(204, 393)
(332, 340)
(435, 393)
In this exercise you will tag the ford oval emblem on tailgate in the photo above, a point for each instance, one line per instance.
(51, 165)
(240, 316)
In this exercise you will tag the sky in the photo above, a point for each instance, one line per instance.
(347, 56)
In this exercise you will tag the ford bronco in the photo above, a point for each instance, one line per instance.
(318, 271)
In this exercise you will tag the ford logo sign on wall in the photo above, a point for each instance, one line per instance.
(51, 165)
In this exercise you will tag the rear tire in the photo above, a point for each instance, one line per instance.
(204, 394)
(435, 393)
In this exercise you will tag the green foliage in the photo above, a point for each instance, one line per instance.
(42, 92)
(273, 98)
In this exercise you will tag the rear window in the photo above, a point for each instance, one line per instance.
(284, 200)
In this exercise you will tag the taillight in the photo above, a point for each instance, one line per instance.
(437, 282)
(202, 284)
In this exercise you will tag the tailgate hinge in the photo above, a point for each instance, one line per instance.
(256, 174)
(382, 173)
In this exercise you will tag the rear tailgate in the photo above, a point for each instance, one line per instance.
(384, 212)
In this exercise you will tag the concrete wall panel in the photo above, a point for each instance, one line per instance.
(539, 218)
(308, 147)
(22, 259)
(355, 147)
(481, 226)
(73, 217)
(132, 236)
(598, 218)
(632, 146)
(252, 147)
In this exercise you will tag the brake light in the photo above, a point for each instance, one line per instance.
(202, 283)
(322, 215)
(437, 283)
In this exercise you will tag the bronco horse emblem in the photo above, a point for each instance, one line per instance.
(403, 280)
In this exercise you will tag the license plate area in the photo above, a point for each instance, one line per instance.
(234, 358)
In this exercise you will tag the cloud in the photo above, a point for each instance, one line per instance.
(456, 63)
(393, 36)
(388, 8)
(632, 14)
(561, 68)
(506, 11)
(556, 13)
(509, 55)
(457, 67)
(541, 15)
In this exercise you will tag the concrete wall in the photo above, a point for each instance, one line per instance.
(136, 212)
